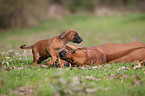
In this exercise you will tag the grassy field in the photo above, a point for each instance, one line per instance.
(17, 77)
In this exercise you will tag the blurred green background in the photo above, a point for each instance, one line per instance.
(97, 21)
(22, 13)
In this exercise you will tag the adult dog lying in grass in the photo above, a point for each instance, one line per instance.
(106, 53)
(51, 47)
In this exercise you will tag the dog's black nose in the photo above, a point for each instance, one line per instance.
(80, 40)
(77, 40)
(62, 54)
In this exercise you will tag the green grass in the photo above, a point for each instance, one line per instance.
(108, 79)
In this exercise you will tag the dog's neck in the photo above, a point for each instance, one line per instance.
(64, 40)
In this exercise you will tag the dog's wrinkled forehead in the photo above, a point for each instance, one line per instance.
(77, 50)
(76, 34)
(68, 55)
(68, 32)
(73, 33)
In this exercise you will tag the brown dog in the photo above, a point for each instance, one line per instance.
(51, 47)
(106, 53)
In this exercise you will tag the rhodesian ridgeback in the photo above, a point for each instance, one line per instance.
(51, 47)
(106, 53)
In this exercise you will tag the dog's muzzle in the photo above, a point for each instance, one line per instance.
(77, 40)
(63, 57)
(62, 54)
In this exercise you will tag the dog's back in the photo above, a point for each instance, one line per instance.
(114, 50)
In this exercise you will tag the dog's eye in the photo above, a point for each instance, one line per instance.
(73, 51)
(76, 34)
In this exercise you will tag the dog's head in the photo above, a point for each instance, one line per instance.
(84, 55)
(71, 35)
(76, 56)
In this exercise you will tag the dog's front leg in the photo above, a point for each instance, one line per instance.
(53, 55)
(70, 47)
(60, 62)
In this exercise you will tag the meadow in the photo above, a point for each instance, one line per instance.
(19, 78)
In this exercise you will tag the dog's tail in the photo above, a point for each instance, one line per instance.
(26, 47)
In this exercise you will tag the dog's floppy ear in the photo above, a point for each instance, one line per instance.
(77, 49)
(63, 34)
(74, 51)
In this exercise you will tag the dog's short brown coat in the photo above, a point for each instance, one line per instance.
(106, 53)
(51, 47)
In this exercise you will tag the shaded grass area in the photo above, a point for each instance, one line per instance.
(17, 77)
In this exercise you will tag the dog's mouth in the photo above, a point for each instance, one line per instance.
(72, 61)
(77, 40)
(63, 57)
(69, 60)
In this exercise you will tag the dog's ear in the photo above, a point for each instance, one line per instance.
(77, 49)
(73, 51)
(63, 34)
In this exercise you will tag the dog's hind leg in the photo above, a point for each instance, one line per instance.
(35, 56)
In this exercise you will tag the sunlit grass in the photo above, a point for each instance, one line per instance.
(109, 79)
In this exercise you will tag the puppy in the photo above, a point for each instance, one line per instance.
(106, 53)
(51, 47)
